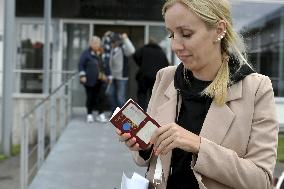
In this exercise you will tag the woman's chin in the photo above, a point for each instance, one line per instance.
(187, 65)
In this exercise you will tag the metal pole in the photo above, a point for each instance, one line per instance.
(69, 103)
(281, 56)
(40, 129)
(7, 101)
(146, 33)
(62, 109)
(24, 155)
(46, 55)
(53, 120)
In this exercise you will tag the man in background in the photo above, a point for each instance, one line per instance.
(122, 48)
(150, 59)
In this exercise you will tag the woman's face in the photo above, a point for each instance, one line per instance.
(95, 45)
(191, 40)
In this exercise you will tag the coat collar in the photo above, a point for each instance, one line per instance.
(235, 91)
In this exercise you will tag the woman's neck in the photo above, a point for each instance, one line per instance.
(208, 72)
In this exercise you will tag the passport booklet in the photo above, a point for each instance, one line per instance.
(131, 118)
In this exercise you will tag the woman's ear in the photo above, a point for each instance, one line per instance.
(220, 30)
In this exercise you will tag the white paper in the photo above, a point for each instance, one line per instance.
(134, 114)
(147, 131)
(115, 112)
(158, 171)
(135, 182)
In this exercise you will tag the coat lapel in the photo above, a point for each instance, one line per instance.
(217, 123)
(166, 114)
(167, 111)
(219, 118)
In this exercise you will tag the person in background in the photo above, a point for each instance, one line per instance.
(150, 59)
(93, 78)
(107, 46)
(219, 128)
(106, 43)
(122, 48)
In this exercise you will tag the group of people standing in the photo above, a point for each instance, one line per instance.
(104, 72)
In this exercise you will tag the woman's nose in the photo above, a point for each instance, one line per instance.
(177, 44)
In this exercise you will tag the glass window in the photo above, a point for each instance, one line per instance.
(29, 64)
(264, 36)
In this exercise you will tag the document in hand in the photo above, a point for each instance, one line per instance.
(131, 118)
(136, 181)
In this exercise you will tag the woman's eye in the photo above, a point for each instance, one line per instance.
(186, 35)
(171, 35)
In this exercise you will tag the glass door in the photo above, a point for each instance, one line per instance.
(136, 36)
(75, 41)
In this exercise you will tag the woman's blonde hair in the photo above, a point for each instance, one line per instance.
(211, 12)
(95, 39)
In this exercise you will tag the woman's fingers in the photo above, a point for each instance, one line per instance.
(160, 141)
(118, 132)
(135, 147)
(129, 141)
(158, 132)
(166, 145)
(124, 137)
(164, 138)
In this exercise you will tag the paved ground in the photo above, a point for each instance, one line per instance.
(10, 173)
(87, 156)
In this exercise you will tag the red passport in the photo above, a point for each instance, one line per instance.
(131, 118)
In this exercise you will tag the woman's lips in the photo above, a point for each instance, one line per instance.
(183, 57)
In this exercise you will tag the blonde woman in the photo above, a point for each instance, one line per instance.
(219, 127)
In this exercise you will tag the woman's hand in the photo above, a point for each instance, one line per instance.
(83, 79)
(129, 141)
(173, 136)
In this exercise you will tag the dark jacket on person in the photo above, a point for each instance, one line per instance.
(89, 67)
(150, 60)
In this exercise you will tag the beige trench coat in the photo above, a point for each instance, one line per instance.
(238, 140)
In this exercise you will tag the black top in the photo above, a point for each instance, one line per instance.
(193, 111)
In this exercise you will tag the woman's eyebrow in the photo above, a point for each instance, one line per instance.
(168, 29)
(180, 28)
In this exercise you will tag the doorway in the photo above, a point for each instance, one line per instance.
(76, 38)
